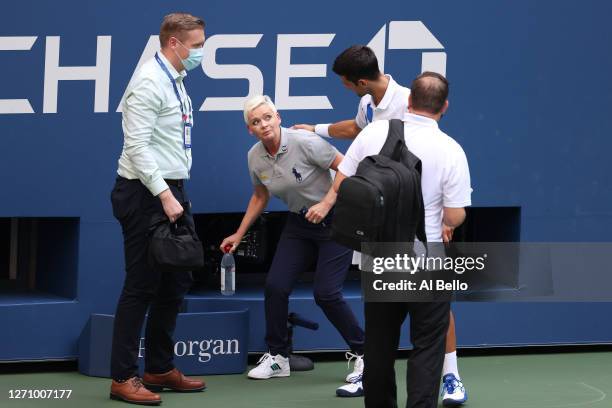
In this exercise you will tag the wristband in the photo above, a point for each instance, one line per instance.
(322, 130)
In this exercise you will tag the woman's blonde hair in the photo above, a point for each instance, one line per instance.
(255, 102)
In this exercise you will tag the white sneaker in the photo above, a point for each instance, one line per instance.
(354, 389)
(453, 391)
(357, 368)
(270, 366)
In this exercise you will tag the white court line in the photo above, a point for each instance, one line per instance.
(602, 396)
(585, 403)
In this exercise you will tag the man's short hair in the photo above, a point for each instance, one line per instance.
(255, 102)
(175, 24)
(357, 62)
(428, 92)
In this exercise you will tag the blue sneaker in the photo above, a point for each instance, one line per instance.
(453, 391)
(354, 389)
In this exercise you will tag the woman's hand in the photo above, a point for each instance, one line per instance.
(318, 212)
(233, 240)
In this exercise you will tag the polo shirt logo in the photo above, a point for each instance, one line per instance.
(298, 176)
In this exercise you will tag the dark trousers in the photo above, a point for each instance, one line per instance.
(428, 326)
(302, 242)
(144, 288)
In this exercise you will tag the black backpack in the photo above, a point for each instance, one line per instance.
(383, 201)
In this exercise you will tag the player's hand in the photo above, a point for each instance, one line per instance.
(447, 233)
(309, 128)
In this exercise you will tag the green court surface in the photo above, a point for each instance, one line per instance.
(566, 380)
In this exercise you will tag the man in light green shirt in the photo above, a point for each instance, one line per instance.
(154, 163)
(153, 148)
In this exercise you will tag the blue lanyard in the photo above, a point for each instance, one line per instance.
(176, 92)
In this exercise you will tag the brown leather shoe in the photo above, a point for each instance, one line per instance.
(174, 380)
(133, 391)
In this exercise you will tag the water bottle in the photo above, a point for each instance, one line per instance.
(228, 272)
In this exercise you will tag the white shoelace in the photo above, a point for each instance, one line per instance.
(350, 357)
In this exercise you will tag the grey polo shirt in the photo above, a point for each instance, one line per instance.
(299, 173)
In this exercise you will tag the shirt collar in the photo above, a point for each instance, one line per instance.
(388, 96)
(175, 74)
(420, 120)
(284, 145)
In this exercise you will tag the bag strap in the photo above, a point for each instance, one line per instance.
(395, 140)
(396, 149)
(159, 219)
(395, 146)
(420, 231)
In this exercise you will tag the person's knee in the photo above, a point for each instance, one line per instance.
(143, 291)
(168, 301)
(183, 284)
(275, 290)
(324, 297)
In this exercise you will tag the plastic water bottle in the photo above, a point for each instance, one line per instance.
(228, 272)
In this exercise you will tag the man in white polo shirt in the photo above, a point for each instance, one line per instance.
(381, 99)
(445, 182)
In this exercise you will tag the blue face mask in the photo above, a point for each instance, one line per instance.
(194, 59)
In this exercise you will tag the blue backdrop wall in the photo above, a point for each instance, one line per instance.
(530, 100)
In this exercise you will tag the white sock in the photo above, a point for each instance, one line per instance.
(450, 365)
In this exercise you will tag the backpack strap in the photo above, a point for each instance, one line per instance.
(420, 231)
(396, 149)
(395, 146)
(395, 143)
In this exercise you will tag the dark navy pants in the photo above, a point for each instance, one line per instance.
(300, 244)
(144, 288)
(428, 327)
